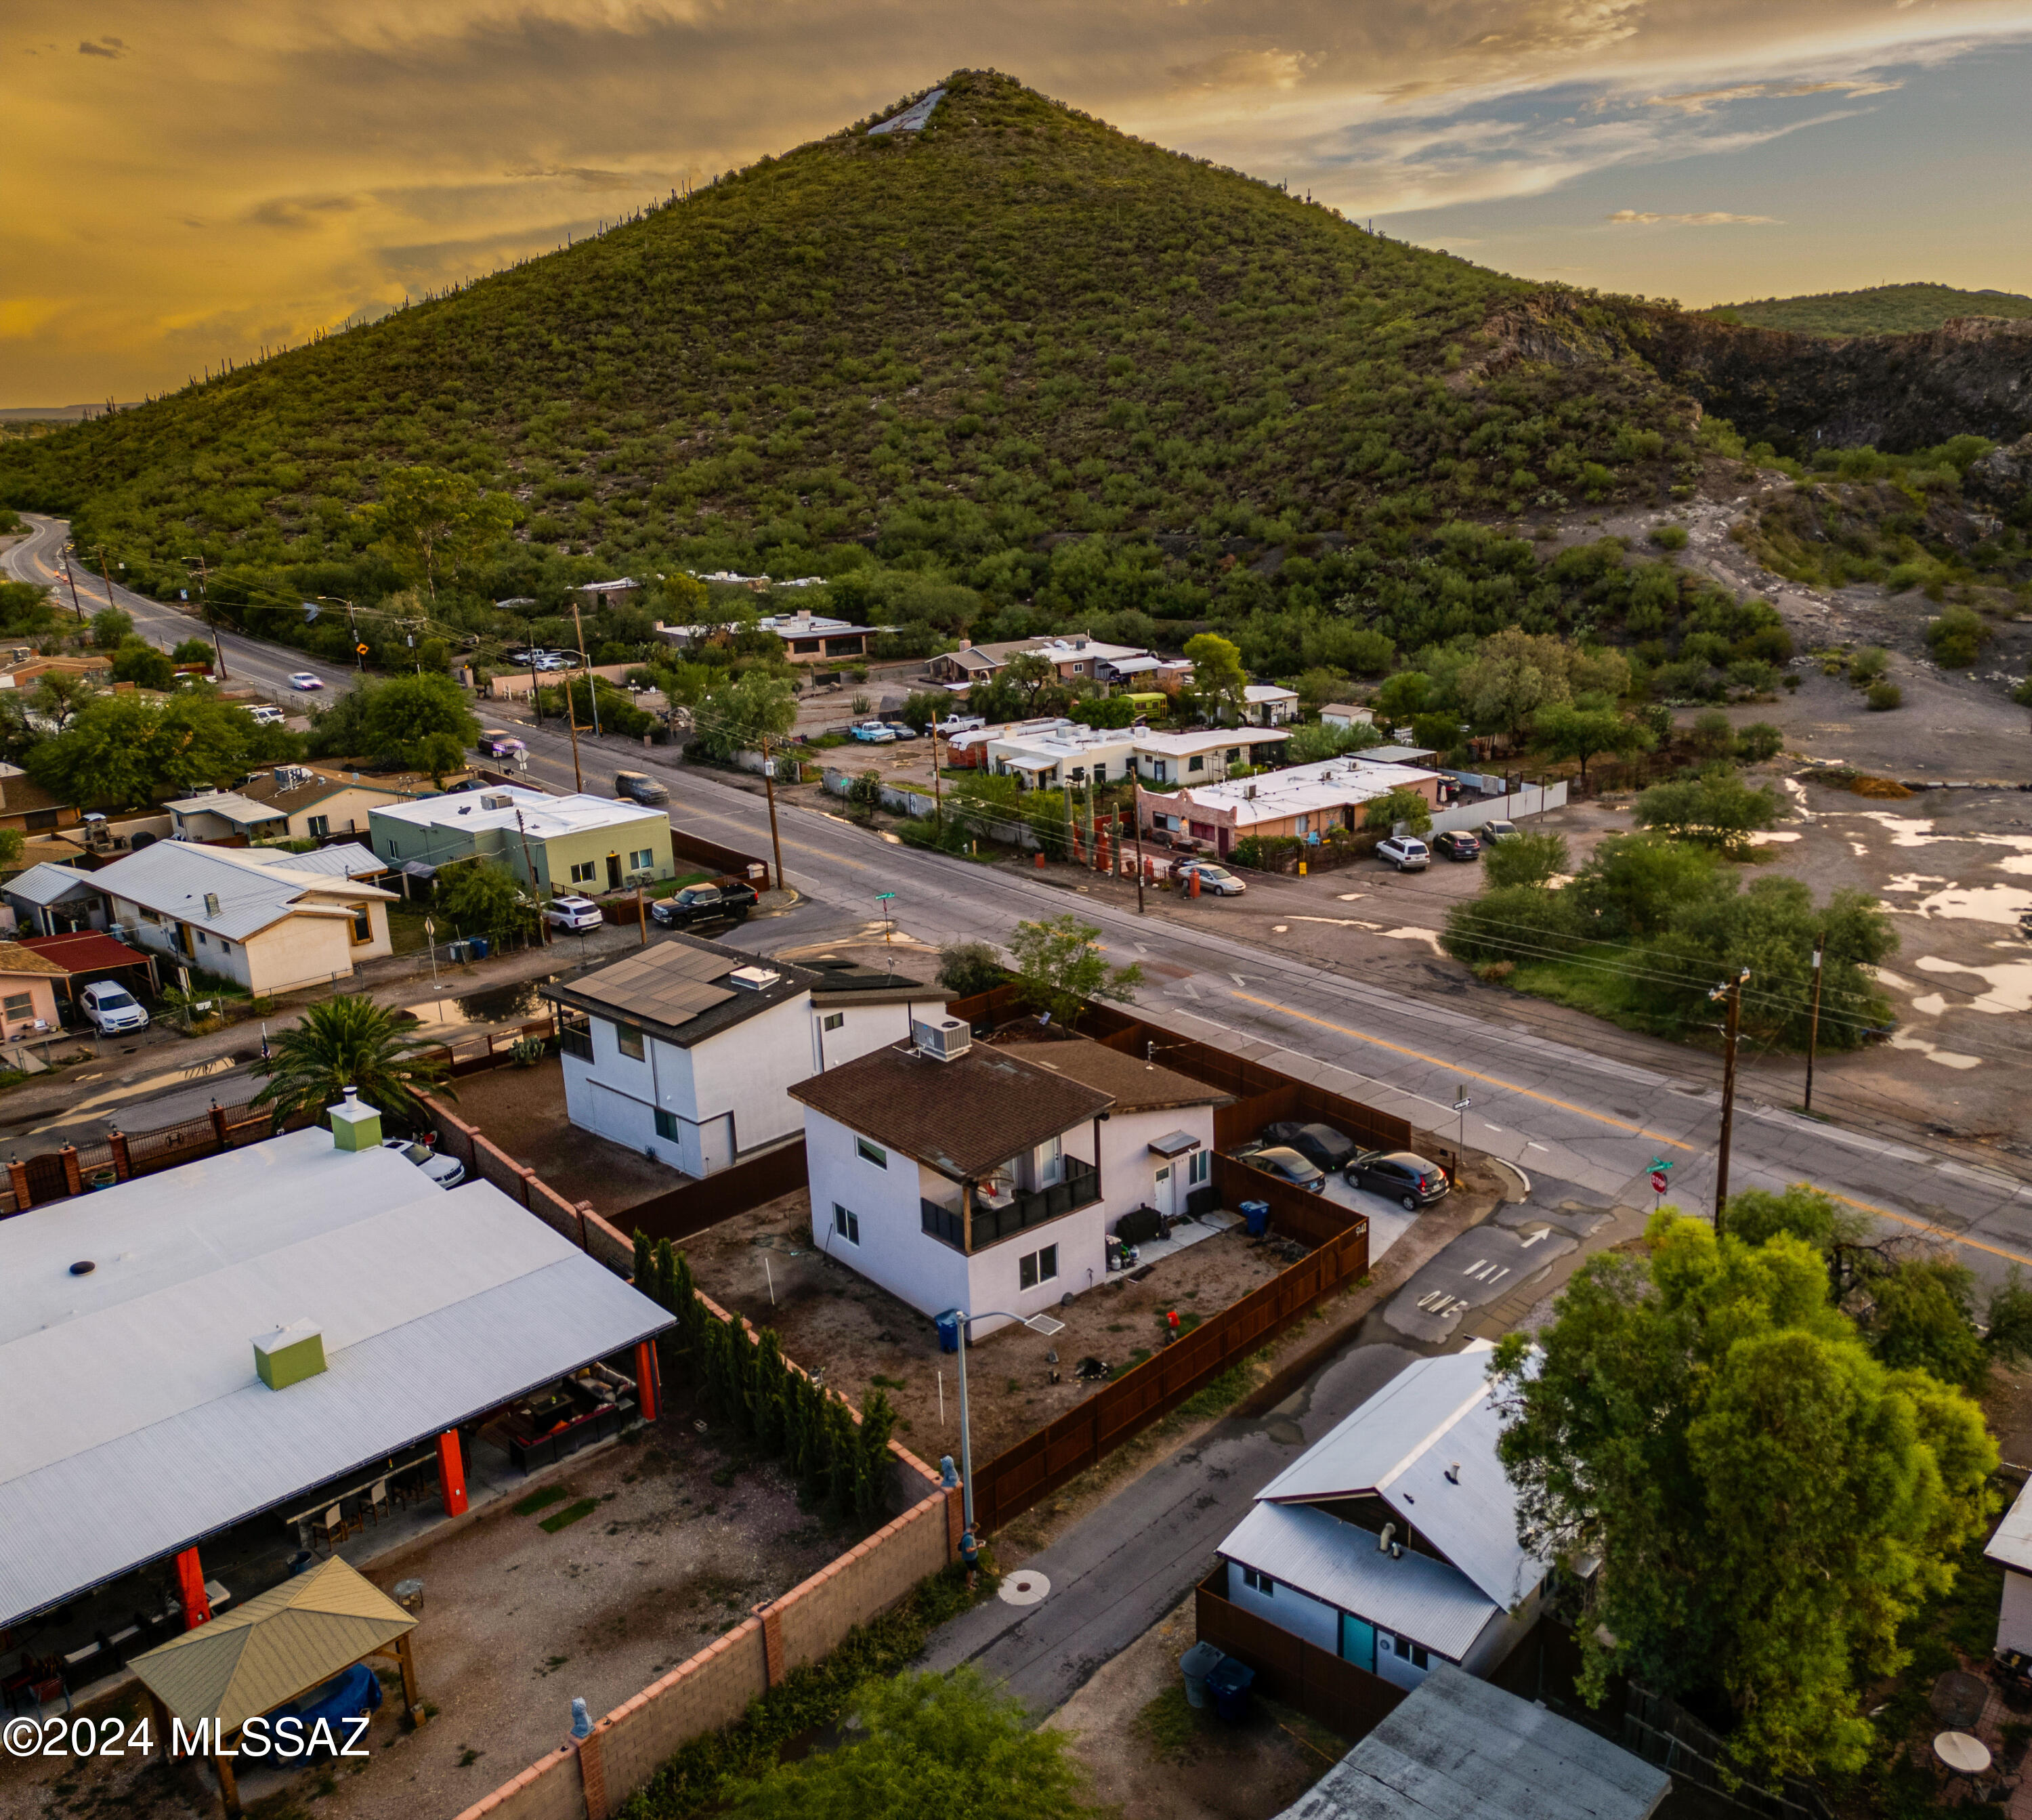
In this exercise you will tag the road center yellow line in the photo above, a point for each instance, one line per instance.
(1470, 1074)
(1928, 1227)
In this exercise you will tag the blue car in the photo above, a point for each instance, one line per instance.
(873, 733)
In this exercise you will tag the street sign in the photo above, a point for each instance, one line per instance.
(361, 649)
(884, 896)
(1657, 1181)
(1462, 1105)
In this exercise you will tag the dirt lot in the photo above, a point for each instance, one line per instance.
(523, 1110)
(516, 1622)
(860, 1336)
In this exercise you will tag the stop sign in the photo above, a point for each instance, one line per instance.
(1657, 1181)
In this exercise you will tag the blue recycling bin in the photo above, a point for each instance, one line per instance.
(948, 1333)
(1229, 1683)
(1257, 1214)
(476, 946)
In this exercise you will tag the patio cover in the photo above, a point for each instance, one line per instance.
(86, 952)
(281, 1643)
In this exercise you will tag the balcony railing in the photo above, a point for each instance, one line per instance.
(1027, 1208)
(575, 1040)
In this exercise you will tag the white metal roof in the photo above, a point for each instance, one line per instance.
(1268, 691)
(174, 877)
(1434, 1415)
(1409, 1595)
(1327, 784)
(2011, 1546)
(1460, 1749)
(344, 859)
(544, 817)
(1209, 739)
(47, 883)
(229, 806)
(143, 1426)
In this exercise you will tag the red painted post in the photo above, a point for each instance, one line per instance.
(190, 1590)
(648, 1397)
(451, 1473)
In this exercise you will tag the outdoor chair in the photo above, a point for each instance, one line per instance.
(334, 1527)
(44, 1693)
(375, 1503)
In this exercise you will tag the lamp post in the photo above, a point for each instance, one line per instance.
(1732, 991)
(1042, 1324)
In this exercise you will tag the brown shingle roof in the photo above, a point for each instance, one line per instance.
(1136, 1086)
(964, 1117)
(14, 959)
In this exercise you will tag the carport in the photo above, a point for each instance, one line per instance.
(87, 956)
(275, 1648)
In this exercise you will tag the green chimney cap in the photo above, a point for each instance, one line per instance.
(289, 1354)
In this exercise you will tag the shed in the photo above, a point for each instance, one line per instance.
(1459, 1749)
(272, 1651)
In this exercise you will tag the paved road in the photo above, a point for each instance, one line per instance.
(1595, 1119)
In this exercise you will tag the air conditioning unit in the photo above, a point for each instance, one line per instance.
(497, 802)
(753, 979)
(945, 1040)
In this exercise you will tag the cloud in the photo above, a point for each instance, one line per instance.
(296, 214)
(1255, 70)
(1702, 100)
(103, 48)
(1709, 217)
(583, 177)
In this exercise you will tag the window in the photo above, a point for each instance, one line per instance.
(1234, 755)
(1196, 763)
(1414, 1654)
(583, 872)
(200, 938)
(225, 946)
(1038, 1267)
(847, 1225)
(18, 1005)
(1258, 1582)
(320, 826)
(628, 1040)
(869, 1152)
(363, 923)
(835, 1020)
(645, 861)
(1199, 1168)
(666, 1126)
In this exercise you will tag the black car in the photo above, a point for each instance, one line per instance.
(724, 900)
(1457, 843)
(1320, 1144)
(1401, 1176)
(1286, 1166)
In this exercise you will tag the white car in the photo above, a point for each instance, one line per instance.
(304, 682)
(578, 914)
(1405, 852)
(1215, 880)
(446, 1172)
(263, 714)
(111, 1008)
(553, 662)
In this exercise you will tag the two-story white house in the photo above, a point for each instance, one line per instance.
(1392, 1542)
(686, 1051)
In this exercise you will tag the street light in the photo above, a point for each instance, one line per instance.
(351, 628)
(1042, 1324)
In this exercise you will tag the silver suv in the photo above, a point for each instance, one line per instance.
(1405, 852)
(578, 914)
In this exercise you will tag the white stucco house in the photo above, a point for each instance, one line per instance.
(686, 1051)
(987, 1177)
(248, 915)
(1392, 1541)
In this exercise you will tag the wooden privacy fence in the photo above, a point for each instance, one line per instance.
(1348, 1701)
(1038, 1465)
(679, 1213)
(728, 860)
(485, 1049)
(121, 1156)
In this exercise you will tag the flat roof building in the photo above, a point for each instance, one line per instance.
(1304, 802)
(574, 843)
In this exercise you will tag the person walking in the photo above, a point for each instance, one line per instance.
(970, 1555)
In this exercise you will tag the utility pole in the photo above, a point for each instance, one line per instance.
(204, 604)
(571, 720)
(536, 688)
(1733, 992)
(1813, 1028)
(75, 607)
(105, 576)
(585, 669)
(642, 916)
(529, 865)
(769, 785)
(1136, 827)
(938, 795)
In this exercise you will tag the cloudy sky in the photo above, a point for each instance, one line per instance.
(188, 180)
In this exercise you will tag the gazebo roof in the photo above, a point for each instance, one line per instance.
(281, 1643)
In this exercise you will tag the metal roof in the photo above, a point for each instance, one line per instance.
(174, 877)
(47, 883)
(228, 805)
(1459, 1749)
(343, 859)
(282, 1643)
(1436, 1415)
(544, 817)
(2011, 1546)
(435, 1307)
(87, 952)
(1410, 1594)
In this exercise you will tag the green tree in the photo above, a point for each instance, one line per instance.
(13, 847)
(928, 1745)
(1030, 677)
(1513, 676)
(432, 523)
(1217, 670)
(1526, 859)
(1758, 742)
(193, 651)
(1319, 739)
(966, 968)
(484, 897)
(1716, 809)
(1567, 730)
(1957, 637)
(103, 758)
(1401, 804)
(59, 695)
(349, 1041)
(112, 628)
(422, 723)
(1058, 964)
(1767, 1501)
(863, 795)
(1634, 884)
(921, 707)
(26, 610)
(1713, 734)
(733, 716)
(138, 661)
(1522, 924)
(1405, 697)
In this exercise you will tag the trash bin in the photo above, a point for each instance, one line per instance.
(477, 946)
(300, 1562)
(1257, 1214)
(410, 1596)
(1229, 1683)
(948, 1333)
(457, 951)
(1196, 1664)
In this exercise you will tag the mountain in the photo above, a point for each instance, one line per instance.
(1888, 309)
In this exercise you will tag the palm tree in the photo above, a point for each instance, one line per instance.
(349, 1041)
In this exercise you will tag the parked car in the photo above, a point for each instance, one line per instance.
(1457, 843)
(264, 714)
(111, 1008)
(1405, 852)
(902, 729)
(552, 660)
(640, 787)
(1216, 879)
(1402, 1176)
(1322, 1145)
(724, 899)
(872, 733)
(304, 682)
(578, 914)
(523, 657)
(1492, 832)
(446, 1172)
(498, 742)
(1286, 1166)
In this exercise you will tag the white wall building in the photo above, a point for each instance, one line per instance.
(686, 1051)
(1392, 1542)
(1207, 755)
(1302, 802)
(1268, 704)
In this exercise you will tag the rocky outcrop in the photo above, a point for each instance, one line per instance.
(1897, 393)
(2004, 476)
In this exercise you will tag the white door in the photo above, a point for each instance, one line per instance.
(1160, 1193)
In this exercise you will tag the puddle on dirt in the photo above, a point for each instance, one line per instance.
(2009, 986)
(516, 1004)
(1984, 903)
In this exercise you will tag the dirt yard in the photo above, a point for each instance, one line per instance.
(675, 1548)
(860, 1337)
